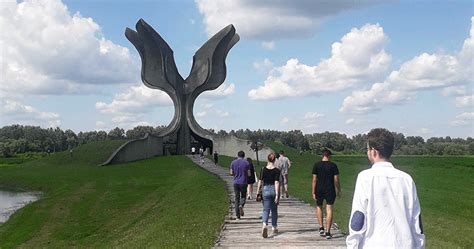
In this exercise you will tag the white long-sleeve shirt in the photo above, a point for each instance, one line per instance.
(385, 210)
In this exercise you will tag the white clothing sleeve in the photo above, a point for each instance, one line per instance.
(358, 220)
(417, 224)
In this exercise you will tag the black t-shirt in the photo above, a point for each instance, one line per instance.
(269, 176)
(325, 172)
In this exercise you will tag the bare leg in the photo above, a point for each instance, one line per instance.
(249, 190)
(328, 217)
(319, 215)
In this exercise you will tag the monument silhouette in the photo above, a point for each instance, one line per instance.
(159, 71)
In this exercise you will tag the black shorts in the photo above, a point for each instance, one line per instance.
(329, 197)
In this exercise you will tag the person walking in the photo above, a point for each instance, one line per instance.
(284, 165)
(251, 180)
(324, 185)
(386, 211)
(193, 151)
(201, 154)
(240, 169)
(216, 157)
(269, 185)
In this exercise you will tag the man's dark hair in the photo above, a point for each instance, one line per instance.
(282, 152)
(381, 140)
(326, 152)
(241, 154)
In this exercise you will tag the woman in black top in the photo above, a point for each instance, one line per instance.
(251, 179)
(269, 181)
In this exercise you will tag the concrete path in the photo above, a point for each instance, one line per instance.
(297, 224)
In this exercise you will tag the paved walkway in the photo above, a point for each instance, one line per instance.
(297, 224)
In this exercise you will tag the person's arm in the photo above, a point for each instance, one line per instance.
(313, 187)
(289, 163)
(358, 221)
(417, 224)
(249, 173)
(231, 172)
(277, 192)
(338, 185)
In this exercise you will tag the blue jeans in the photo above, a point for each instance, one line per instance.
(268, 199)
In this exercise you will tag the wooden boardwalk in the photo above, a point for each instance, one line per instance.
(297, 223)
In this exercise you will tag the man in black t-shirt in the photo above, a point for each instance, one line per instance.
(325, 182)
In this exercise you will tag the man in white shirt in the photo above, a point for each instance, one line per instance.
(386, 211)
(284, 164)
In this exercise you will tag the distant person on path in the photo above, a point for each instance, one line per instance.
(386, 211)
(285, 165)
(325, 182)
(201, 154)
(251, 180)
(269, 181)
(240, 169)
(216, 157)
(193, 151)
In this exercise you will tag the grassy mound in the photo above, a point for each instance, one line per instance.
(159, 202)
(444, 185)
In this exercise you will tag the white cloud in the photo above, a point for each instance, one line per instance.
(47, 50)
(268, 45)
(424, 72)
(425, 131)
(464, 118)
(264, 65)
(465, 101)
(350, 121)
(454, 91)
(201, 114)
(312, 115)
(306, 122)
(222, 91)
(19, 113)
(359, 57)
(135, 100)
(275, 19)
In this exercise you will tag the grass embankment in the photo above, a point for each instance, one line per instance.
(160, 202)
(444, 184)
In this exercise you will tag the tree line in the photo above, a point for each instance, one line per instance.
(20, 139)
(341, 143)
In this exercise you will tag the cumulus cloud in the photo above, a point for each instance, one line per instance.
(465, 118)
(358, 57)
(307, 122)
(448, 72)
(222, 91)
(20, 113)
(465, 101)
(135, 100)
(48, 50)
(276, 19)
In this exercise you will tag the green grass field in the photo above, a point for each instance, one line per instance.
(445, 188)
(160, 202)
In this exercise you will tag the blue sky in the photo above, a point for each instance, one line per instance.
(345, 66)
